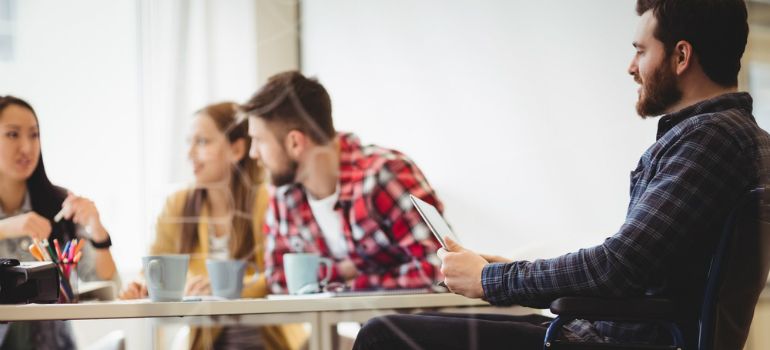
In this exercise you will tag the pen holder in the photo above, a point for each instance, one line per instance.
(68, 282)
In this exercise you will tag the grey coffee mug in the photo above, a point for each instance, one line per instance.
(166, 276)
(301, 270)
(226, 277)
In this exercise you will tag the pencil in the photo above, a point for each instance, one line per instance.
(57, 247)
(79, 246)
(43, 251)
(65, 252)
(71, 252)
(51, 253)
(35, 251)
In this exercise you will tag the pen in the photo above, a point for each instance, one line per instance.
(59, 215)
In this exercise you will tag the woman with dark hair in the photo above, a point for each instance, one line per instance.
(220, 217)
(28, 204)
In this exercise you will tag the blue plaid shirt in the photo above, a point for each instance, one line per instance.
(705, 157)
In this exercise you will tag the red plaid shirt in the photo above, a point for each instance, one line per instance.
(386, 238)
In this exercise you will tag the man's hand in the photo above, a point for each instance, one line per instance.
(462, 269)
(347, 270)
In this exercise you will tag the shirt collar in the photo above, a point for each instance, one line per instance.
(741, 100)
(350, 154)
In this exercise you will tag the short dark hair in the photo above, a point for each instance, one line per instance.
(294, 102)
(716, 29)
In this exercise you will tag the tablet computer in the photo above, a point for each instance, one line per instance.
(435, 221)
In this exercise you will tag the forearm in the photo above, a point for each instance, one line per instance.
(105, 265)
(4, 234)
(592, 271)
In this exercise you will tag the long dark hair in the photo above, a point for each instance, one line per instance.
(46, 198)
(245, 177)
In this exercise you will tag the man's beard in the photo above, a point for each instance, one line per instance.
(659, 92)
(285, 177)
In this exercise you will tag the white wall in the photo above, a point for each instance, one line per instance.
(520, 113)
(80, 73)
(115, 84)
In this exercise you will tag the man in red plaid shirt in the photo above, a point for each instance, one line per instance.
(336, 197)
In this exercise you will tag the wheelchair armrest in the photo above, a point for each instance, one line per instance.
(607, 309)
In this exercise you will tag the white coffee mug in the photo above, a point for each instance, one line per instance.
(301, 271)
(166, 276)
(226, 277)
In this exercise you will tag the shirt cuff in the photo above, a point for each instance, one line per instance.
(494, 284)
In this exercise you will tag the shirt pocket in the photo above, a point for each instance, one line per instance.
(636, 177)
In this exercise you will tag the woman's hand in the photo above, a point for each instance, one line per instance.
(28, 224)
(135, 290)
(82, 211)
(197, 285)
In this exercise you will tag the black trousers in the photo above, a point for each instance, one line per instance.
(446, 331)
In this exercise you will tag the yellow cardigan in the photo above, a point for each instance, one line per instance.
(167, 241)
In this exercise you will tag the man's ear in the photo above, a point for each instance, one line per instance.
(682, 56)
(295, 143)
(238, 150)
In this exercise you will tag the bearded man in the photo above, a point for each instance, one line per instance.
(708, 152)
(335, 197)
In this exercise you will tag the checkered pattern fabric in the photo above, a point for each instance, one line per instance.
(386, 238)
(685, 184)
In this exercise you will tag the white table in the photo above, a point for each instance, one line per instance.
(322, 314)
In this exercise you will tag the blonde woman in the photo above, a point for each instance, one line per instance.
(221, 217)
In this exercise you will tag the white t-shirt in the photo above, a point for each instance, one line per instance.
(330, 223)
(218, 246)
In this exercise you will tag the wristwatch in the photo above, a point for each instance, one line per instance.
(101, 245)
